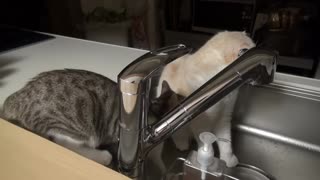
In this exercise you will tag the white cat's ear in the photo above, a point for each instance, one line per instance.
(245, 33)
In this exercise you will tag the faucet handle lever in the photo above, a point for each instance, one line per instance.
(148, 63)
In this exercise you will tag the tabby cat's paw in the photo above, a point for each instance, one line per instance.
(106, 157)
(231, 160)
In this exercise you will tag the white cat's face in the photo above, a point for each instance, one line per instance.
(230, 44)
(235, 42)
(222, 50)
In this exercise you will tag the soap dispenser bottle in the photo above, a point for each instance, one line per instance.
(205, 154)
(202, 164)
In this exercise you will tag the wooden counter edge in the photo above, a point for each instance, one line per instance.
(26, 156)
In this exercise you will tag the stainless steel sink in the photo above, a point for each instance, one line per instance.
(275, 127)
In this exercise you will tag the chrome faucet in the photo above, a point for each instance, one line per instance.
(138, 82)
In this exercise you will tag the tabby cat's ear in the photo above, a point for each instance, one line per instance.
(167, 93)
(165, 88)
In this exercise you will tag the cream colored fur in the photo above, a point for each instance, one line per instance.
(189, 72)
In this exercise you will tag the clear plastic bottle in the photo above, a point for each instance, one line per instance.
(205, 154)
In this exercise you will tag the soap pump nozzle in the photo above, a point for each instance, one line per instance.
(205, 155)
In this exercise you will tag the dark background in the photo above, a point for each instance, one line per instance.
(175, 22)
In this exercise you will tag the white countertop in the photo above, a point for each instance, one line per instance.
(18, 66)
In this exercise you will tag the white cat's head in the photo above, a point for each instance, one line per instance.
(227, 45)
(189, 72)
(230, 44)
(218, 52)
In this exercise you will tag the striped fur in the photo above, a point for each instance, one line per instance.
(75, 108)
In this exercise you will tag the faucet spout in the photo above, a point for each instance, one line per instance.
(257, 66)
(136, 82)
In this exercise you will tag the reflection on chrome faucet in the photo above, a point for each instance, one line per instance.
(140, 78)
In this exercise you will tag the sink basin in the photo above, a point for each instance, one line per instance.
(275, 128)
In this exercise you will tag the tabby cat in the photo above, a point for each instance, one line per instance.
(77, 109)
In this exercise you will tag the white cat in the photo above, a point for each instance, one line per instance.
(189, 72)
